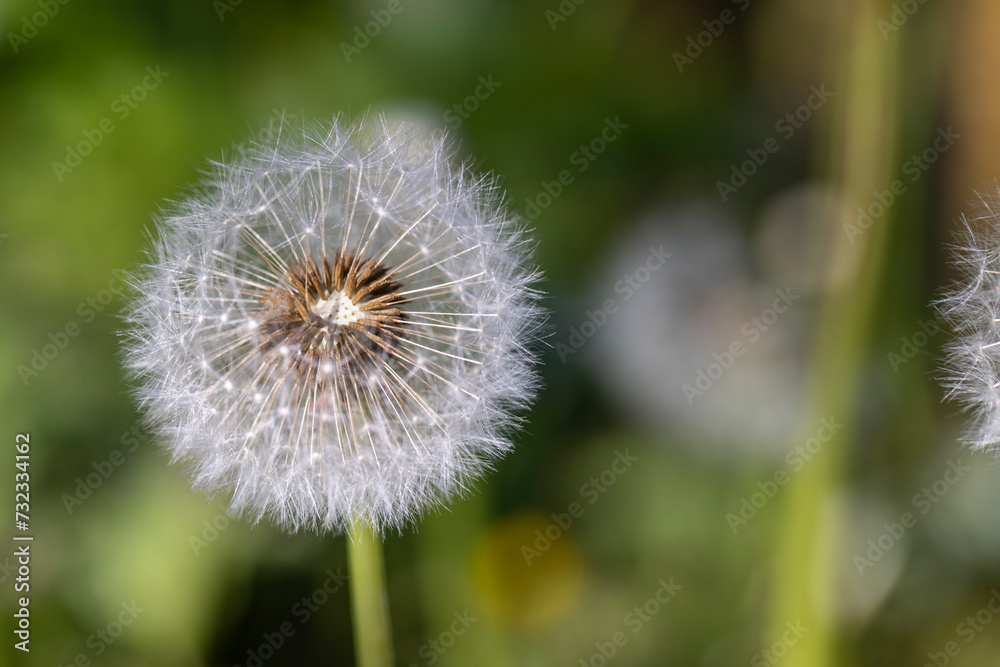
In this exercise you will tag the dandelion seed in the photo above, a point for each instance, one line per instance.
(972, 366)
(338, 328)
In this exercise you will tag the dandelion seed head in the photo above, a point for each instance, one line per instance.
(972, 307)
(338, 326)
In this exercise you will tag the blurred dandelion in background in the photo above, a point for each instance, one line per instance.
(701, 350)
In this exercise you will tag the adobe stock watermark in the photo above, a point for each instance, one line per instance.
(562, 12)
(967, 630)
(104, 638)
(121, 107)
(795, 460)
(223, 7)
(30, 25)
(302, 611)
(772, 655)
(913, 169)
(751, 330)
(581, 158)
(590, 491)
(276, 122)
(210, 531)
(460, 111)
(634, 622)
(786, 127)
(914, 343)
(130, 441)
(697, 44)
(900, 14)
(7, 569)
(432, 650)
(87, 310)
(626, 286)
(364, 34)
(922, 503)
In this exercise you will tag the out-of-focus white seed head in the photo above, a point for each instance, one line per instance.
(337, 327)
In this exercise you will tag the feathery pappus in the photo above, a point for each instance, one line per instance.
(338, 326)
(972, 307)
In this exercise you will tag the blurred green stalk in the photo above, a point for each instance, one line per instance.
(369, 600)
(861, 145)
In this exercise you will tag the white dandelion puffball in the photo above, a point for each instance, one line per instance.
(972, 307)
(651, 352)
(337, 327)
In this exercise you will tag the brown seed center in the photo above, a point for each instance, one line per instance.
(338, 317)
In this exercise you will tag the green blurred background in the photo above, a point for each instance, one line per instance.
(747, 136)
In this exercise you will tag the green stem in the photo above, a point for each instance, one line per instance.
(862, 146)
(369, 600)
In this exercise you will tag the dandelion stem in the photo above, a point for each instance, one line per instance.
(369, 600)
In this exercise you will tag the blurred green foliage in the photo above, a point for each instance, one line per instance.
(213, 588)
